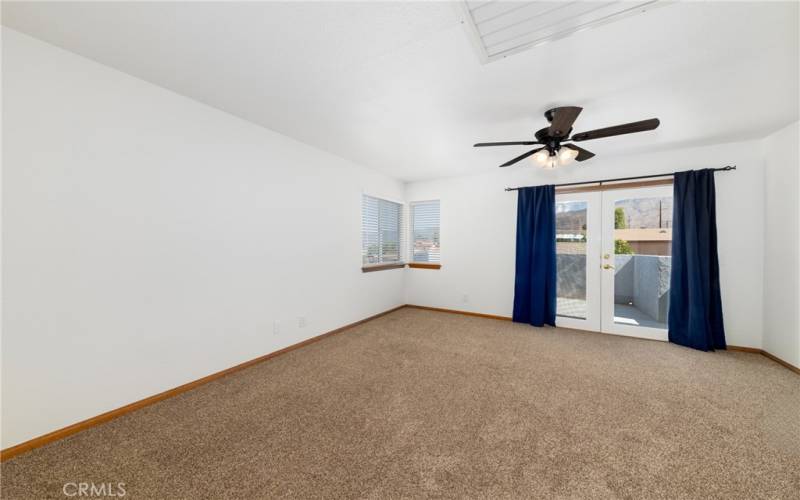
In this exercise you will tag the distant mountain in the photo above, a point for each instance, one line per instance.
(571, 221)
(647, 212)
(639, 213)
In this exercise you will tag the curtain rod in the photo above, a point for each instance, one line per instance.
(602, 181)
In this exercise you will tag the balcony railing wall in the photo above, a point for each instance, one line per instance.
(639, 280)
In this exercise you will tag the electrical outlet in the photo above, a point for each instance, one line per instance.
(276, 327)
(301, 321)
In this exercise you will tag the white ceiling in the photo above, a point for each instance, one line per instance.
(399, 86)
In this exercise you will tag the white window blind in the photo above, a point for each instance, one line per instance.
(381, 231)
(425, 231)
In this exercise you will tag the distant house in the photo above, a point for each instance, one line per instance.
(650, 241)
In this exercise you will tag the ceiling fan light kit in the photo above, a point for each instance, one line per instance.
(558, 148)
(547, 160)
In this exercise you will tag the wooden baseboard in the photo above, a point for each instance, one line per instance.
(455, 311)
(756, 350)
(753, 350)
(110, 415)
(781, 362)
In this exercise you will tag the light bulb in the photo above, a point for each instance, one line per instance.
(566, 155)
(544, 159)
(541, 157)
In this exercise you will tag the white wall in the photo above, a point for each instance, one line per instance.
(150, 240)
(782, 244)
(478, 230)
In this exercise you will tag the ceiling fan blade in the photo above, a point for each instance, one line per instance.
(582, 153)
(515, 143)
(521, 157)
(563, 118)
(628, 128)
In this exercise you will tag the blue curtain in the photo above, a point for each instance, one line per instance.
(535, 283)
(695, 308)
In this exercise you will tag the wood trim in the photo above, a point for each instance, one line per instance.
(771, 356)
(753, 350)
(615, 185)
(455, 311)
(423, 265)
(381, 267)
(110, 415)
(781, 362)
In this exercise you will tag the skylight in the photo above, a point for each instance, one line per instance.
(502, 28)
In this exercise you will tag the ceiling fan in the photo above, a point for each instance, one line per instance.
(556, 151)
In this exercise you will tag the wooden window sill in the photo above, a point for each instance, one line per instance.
(382, 267)
(398, 265)
(423, 265)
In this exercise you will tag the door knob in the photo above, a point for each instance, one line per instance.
(608, 266)
(606, 256)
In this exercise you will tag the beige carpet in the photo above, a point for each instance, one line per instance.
(426, 404)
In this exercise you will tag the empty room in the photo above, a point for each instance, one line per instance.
(443, 249)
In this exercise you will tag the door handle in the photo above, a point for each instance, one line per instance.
(608, 266)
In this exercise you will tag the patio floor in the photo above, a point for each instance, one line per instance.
(571, 308)
(623, 313)
(632, 315)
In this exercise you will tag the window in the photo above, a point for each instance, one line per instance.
(425, 233)
(381, 233)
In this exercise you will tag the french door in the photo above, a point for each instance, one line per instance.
(614, 259)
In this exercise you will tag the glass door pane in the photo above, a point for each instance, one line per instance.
(571, 258)
(643, 259)
(577, 258)
(637, 260)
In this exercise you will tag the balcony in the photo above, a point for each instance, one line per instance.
(641, 288)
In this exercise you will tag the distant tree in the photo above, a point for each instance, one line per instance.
(622, 247)
(619, 218)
